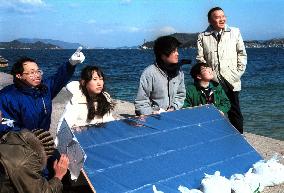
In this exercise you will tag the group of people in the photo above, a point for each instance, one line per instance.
(221, 61)
(26, 105)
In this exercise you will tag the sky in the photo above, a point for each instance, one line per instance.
(117, 23)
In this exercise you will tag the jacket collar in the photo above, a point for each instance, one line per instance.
(212, 85)
(210, 30)
(28, 90)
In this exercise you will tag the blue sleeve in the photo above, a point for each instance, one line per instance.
(7, 113)
(5, 129)
(56, 82)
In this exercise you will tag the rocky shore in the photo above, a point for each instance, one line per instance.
(267, 147)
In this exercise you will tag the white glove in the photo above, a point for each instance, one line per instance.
(77, 57)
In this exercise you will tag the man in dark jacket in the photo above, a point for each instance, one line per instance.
(28, 102)
(23, 156)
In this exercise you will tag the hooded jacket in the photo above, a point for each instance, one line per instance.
(22, 158)
(195, 97)
(158, 90)
(228, 57)
(31, 107)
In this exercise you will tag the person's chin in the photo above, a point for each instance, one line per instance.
(36, 83)
(98, 91)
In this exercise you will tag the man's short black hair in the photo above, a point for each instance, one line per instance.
(196, 70)
(212, 10)
(18, 67)
(165, 45)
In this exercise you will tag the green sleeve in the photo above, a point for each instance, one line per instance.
(225, 103)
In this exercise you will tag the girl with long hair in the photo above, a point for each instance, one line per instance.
(90, 103)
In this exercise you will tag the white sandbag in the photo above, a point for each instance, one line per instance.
(271, 172)
(215, 183)
(239, 185)
(253, 180)
(155, 190)
(184, 189)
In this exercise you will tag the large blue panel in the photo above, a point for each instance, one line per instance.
(166, 150)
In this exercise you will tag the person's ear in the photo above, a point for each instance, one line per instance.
(198, 76)
(163, 57)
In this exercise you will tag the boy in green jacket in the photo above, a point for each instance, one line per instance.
(204, 90)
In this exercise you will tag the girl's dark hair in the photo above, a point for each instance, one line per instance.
(103, 105)
(18, 67)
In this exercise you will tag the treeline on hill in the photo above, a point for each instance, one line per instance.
(188, 40)
(20, 45)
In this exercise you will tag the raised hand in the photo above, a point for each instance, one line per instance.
(77, 57)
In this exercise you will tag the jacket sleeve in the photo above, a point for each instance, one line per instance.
(142, 102)
(7, 124)
(60, 78)
(242, 55)
(200, 53)
(225, 103)
(29, 181)
(180, 95)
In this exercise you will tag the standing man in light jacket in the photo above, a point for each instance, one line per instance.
(161, 84)
(28, 102)
(222, 48)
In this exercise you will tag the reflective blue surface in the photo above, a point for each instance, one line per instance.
(166, 150)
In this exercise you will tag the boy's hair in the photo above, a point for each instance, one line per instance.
(212, 10)
(18, 67)
(196, 70)
(165, 45)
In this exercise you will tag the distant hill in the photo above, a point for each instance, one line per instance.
(20, 45)
(188, 40)
(61, 44)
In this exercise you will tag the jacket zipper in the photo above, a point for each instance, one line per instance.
(44, 106)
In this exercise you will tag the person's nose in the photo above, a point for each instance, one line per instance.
(99, 83)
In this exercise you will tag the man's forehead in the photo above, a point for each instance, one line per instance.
(30, 65)
(217, 12)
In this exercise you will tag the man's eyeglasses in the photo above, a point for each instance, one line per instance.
(34, 73)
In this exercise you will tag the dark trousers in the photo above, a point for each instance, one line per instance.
(235, 115)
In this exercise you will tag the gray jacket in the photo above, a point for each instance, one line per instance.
(157, 90)
(228, 58)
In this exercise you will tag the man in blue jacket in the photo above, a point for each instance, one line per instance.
(28, 102)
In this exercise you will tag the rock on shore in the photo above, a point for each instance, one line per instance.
(267, 147)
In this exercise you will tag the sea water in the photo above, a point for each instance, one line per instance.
(261, 97)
